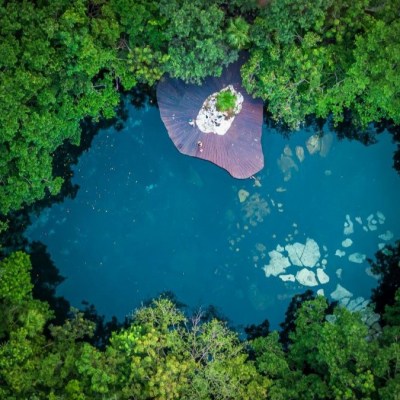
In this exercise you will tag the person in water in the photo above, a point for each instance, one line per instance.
(200, 146)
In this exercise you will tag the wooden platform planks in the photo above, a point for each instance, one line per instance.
(239, 150)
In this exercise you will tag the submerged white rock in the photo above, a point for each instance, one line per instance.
(344, 301)
(357, 258)
(306, 255)
(359, 220)
(322, 276)
(287, 151)
(369, 317)
(372, 223)
(369, 272)
(313, 144)
(306, 277)
(331, 318)
(340, 253)
(370, 217)
(277, 264)
(347, 242)
(348, 226)
(261, 247)
(357, 304)
(340, 292)
(326, 143)
(288, 278)
(243, 195)
(300, 153)
(286, 165)
(381, 217)
(388, 235)
(320, 292)
(295, 251)
(311, 253)
(339, 273)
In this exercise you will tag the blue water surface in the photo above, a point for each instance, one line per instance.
(147, 219)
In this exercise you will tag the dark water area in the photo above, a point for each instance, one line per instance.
(147, 219)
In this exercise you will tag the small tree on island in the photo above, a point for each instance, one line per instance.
(226, 101)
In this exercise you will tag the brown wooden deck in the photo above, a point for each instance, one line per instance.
(239, 150)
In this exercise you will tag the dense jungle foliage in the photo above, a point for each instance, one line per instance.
(66, 62)
(63, 61)
(163, 354)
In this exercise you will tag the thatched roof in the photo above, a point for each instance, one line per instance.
(239, 150)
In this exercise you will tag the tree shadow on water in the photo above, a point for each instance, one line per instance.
(254, 331)
(142, 95)
(68, 154)
(394, 130)
(46, 278)
(103, 329)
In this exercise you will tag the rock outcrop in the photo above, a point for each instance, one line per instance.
(210, 120)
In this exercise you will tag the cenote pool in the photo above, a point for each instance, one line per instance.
(147, 219)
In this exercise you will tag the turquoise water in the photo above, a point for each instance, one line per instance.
(147, 219)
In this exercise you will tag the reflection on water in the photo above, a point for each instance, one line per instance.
(147, 219)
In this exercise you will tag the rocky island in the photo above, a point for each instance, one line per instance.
(219, 110)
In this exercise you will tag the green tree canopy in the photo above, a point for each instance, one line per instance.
(197, 44)
(163, 354)
(62, 61)
(325, 57)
